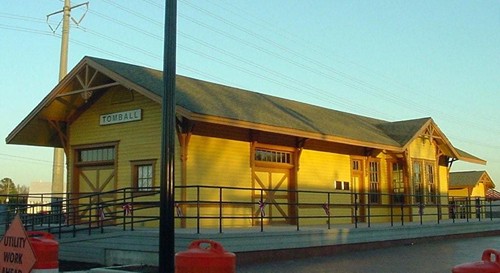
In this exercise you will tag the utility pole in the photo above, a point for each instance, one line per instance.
(58, 161)
(167, 231)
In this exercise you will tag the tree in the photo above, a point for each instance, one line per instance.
(7, 187)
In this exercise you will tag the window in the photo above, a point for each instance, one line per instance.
(355, 165)
(143, 175)
(374, 182)
(424, 182)
(398, 186)
(342, 185)
(431, 185)
(418, 189)
(96, 155)
(273, 156)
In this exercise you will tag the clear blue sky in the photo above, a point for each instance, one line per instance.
(392, 60)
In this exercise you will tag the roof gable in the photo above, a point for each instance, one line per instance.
(404, 131)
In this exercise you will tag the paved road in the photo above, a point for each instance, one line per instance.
(437, 256)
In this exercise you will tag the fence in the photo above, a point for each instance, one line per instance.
(209, 207)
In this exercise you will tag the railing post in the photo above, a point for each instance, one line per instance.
(132, 219)
(478, 208)
(391, 205)
(220, 209)
(329, 211)
(261, 210)
(74, 214)
(124, 210)
(369, 211)
(91, 214)
(402, 206)
(438, 208)
(453, 209)
(101, 212)
(198, 209)
(355, 210)
(421, 211)
(297, 209)
(491, 211)
(467, 208)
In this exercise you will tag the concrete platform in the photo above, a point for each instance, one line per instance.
(115, 247)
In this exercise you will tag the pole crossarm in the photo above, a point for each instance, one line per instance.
(77, 22)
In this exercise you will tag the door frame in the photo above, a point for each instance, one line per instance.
(289, 166)
(358, 189)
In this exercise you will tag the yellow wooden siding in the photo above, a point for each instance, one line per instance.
(478, 191)
(219, 162)
(319, 171)
(443, 180)
(216, 161)
(138, 140)
(422, 148)
(459, 192)
(443, 190)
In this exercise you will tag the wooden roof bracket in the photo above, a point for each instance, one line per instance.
(299, 145)
(184, 128)
(60, 127)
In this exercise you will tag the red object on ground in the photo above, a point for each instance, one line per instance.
(486, 265)
(213, 259)
(46, 250)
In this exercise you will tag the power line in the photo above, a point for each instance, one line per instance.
(320, 93)
(346, 79)
(25, 159)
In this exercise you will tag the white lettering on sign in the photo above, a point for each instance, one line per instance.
(121, 117)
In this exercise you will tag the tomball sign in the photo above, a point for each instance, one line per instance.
(17, 256)
(121, 117)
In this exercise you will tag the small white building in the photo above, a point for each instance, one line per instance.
(39, 194)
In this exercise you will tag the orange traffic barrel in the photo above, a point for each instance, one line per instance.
(46, 250)
(490, 263)
(205, 256)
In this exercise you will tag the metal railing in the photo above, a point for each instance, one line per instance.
(211, 207)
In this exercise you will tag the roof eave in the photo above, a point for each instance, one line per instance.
(283, 130)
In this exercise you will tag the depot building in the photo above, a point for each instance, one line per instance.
(106, 115)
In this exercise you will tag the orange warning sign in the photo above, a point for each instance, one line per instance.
(16, 254)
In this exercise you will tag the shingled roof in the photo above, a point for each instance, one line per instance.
(469, 179)
(202, 100)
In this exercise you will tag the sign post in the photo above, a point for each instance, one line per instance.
(16, 254)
